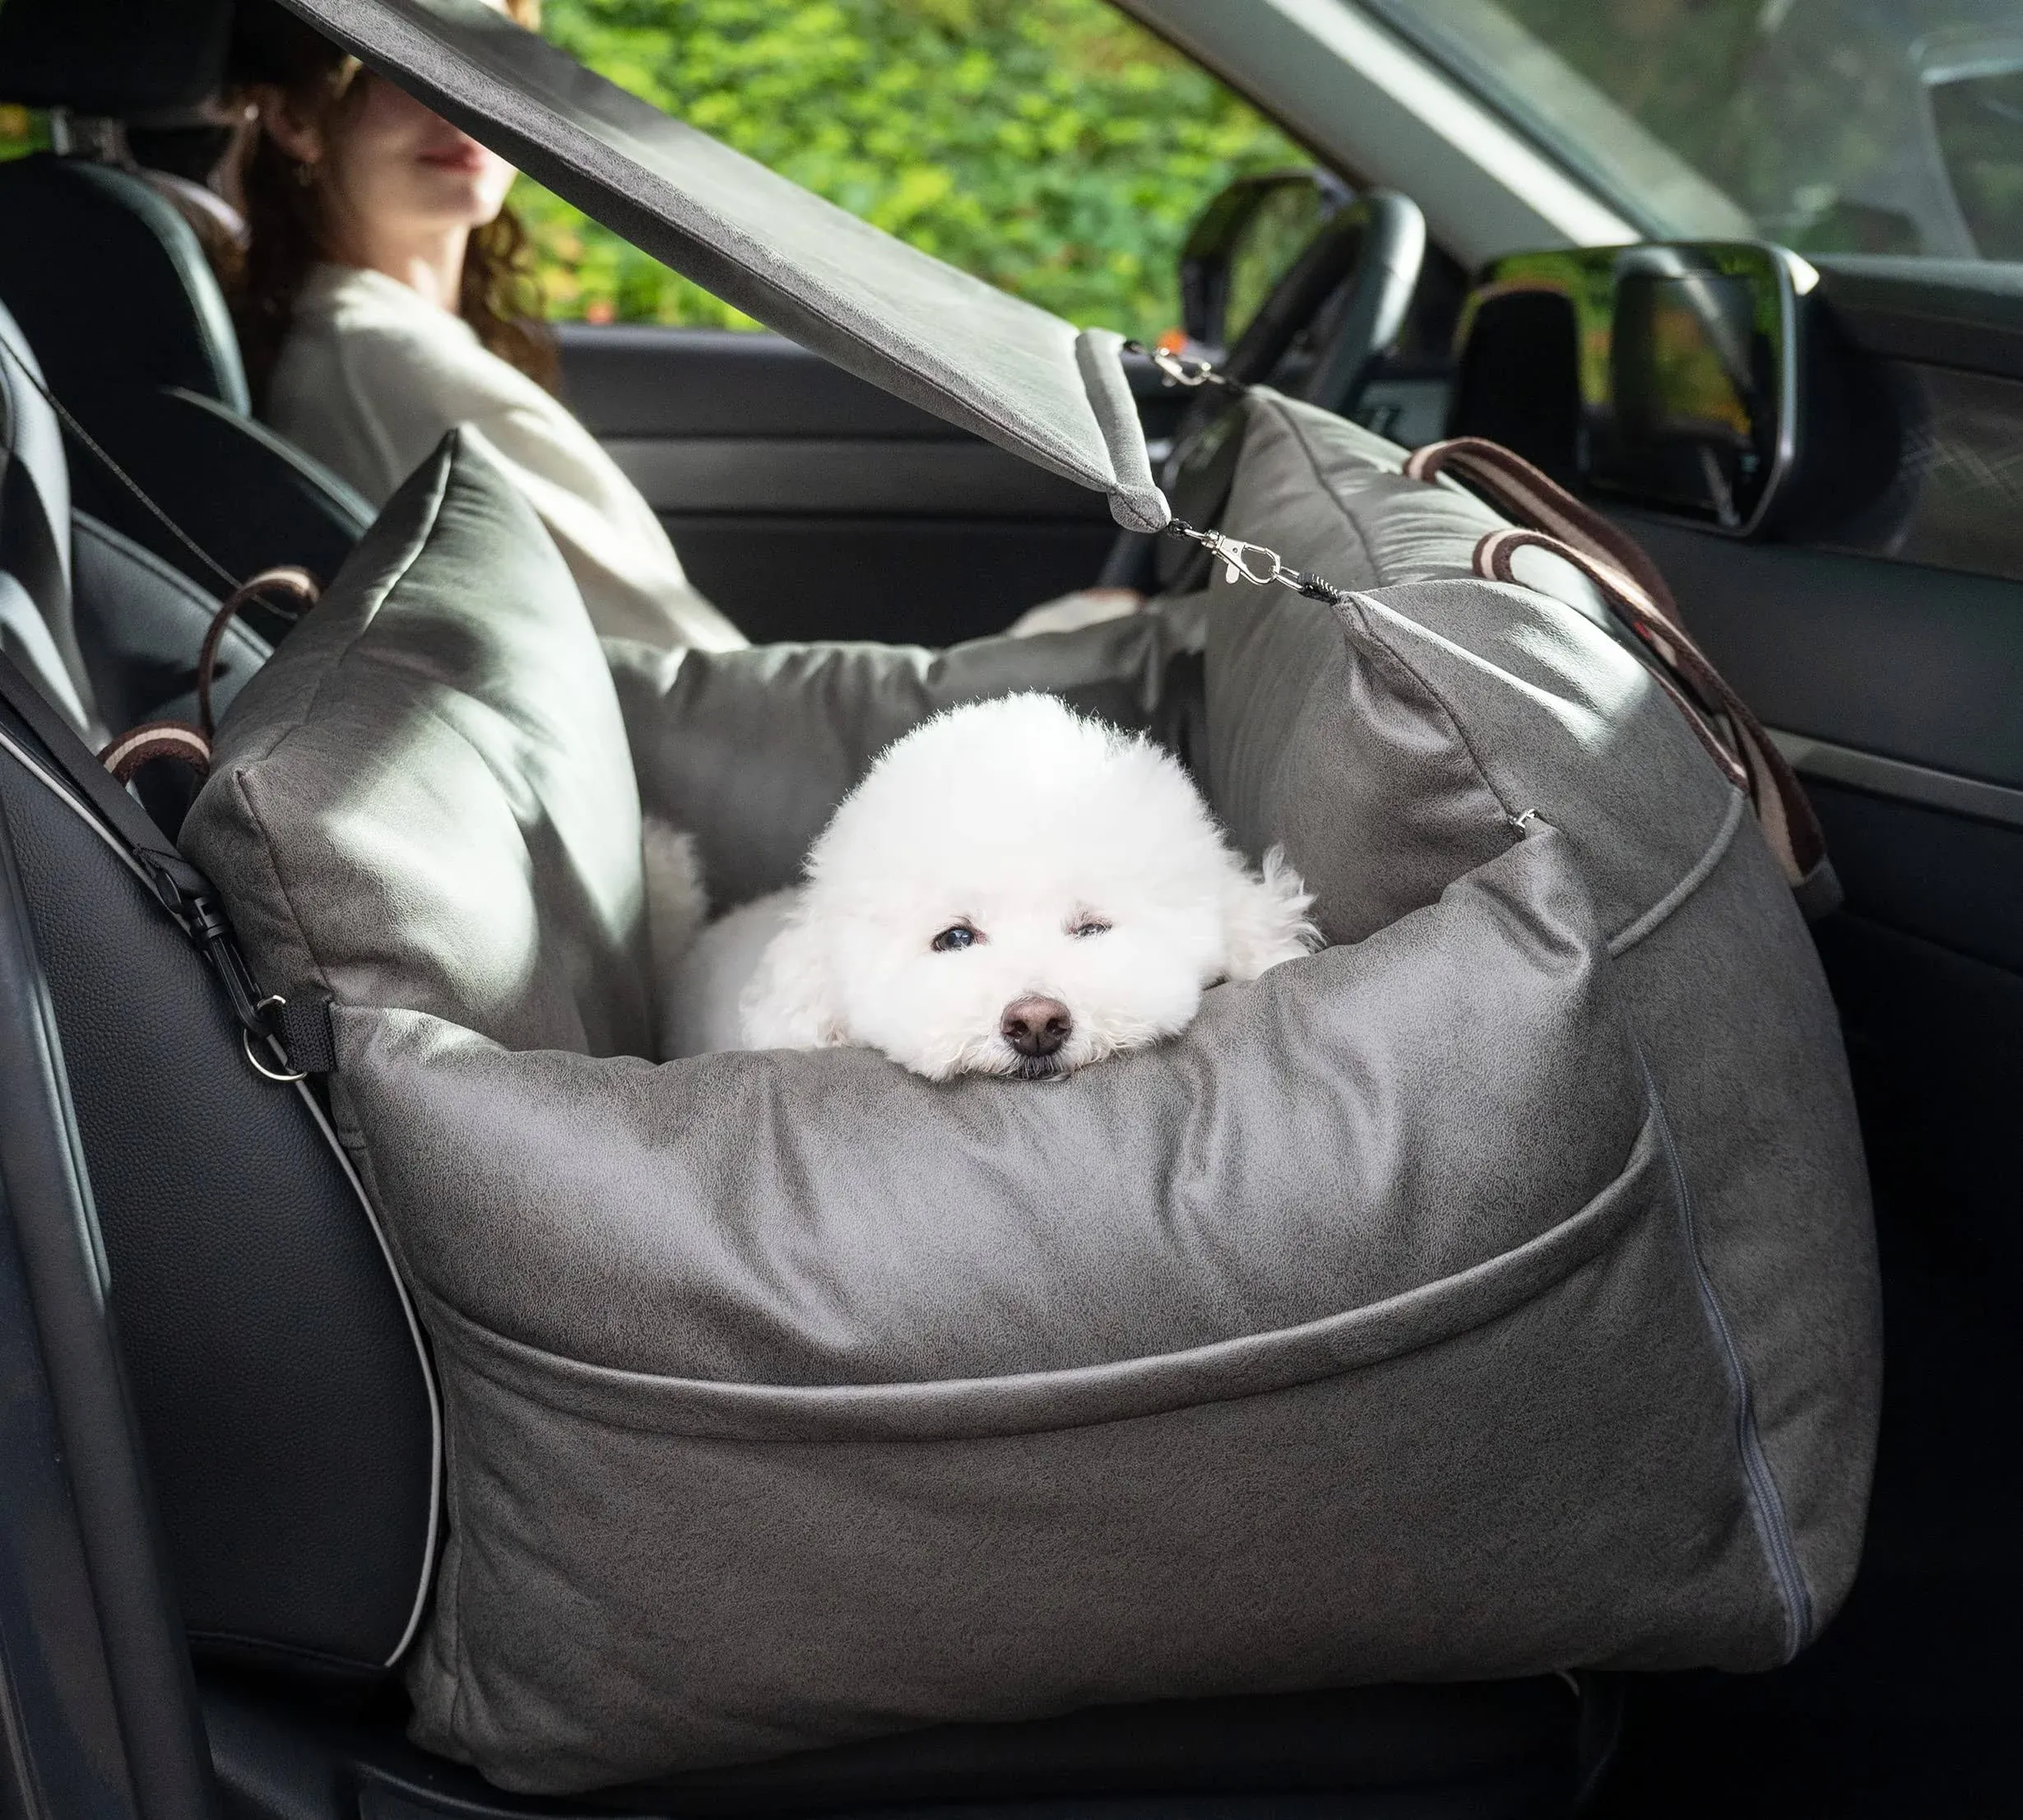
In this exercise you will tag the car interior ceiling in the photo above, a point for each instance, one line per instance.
(1875, 624)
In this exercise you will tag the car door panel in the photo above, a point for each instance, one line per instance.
(1894, 689)
(1882, 639)
(1913, 662)
(1883, 642)
(933, 581)
(844, 476)
(808, 504)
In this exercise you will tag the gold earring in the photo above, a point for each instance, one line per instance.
(305, 172)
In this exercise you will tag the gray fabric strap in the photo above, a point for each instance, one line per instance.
(891, 314)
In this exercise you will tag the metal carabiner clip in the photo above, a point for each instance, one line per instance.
(1246, 561)
(1180, 371)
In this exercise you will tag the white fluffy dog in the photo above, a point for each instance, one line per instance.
(1012, 889)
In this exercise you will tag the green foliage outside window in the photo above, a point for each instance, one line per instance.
(1050, 146)
(22, 132)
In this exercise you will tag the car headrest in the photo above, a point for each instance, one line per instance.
(36, 629)
(111, 56)
(108, 280)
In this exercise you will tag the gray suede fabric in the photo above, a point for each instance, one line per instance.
(1726, 997)
(425, 832)
(717, 755)
(1729, 1006)
(1489, 1293)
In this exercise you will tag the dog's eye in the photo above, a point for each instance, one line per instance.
(953, 940)
(1090, 926)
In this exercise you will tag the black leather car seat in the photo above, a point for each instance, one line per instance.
(279, 1381)
(38, 627)
(111, 286)
(107, 631)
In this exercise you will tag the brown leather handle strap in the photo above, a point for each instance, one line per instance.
(1681, 669)
(1530, 496)
(178, 740)
(1495, 560)
(153, 740)
(284, 579)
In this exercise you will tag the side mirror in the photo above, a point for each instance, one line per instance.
(1244, 241)
(1668, 375)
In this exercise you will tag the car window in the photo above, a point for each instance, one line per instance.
(1834, 126)
(22, 132)
(1052, 147)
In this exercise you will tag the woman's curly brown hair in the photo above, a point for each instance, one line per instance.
(286, 216)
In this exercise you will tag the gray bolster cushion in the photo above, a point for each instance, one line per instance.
(1491, 1293)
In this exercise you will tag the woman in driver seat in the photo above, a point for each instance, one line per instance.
(384, 298)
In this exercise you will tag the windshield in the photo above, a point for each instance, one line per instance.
(1832, 126)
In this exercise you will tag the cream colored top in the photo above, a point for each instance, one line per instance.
(372, 377)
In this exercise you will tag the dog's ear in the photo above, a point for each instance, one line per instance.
(790, 1003)
(1265, 919)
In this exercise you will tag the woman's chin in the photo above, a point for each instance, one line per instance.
(455, 197)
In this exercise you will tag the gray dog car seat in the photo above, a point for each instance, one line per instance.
(1490, 1293)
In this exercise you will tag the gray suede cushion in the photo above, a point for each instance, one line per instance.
(402, 822)
(1489, 1293)
(1544, 714)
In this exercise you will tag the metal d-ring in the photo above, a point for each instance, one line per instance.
(260, 1068)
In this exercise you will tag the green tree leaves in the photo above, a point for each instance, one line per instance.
(1050, 146)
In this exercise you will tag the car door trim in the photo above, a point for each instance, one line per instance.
(859, 476)
(1870, 772)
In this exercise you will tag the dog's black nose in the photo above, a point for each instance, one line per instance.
(1035, 1027)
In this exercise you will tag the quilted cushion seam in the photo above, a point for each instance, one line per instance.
(1597, 1214)
(1320, 480)
(1369, 629)
(1687, 887)
(243, 783)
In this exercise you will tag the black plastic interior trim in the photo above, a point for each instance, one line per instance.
(1908, 662)
(1825, 762)
(883, 477)
(1953, 880)
(645, 380)
(1454, 1751)
(1956, 313)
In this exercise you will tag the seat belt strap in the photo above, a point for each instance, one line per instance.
(190, 898)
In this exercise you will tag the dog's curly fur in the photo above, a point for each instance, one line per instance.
(1007, 851)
